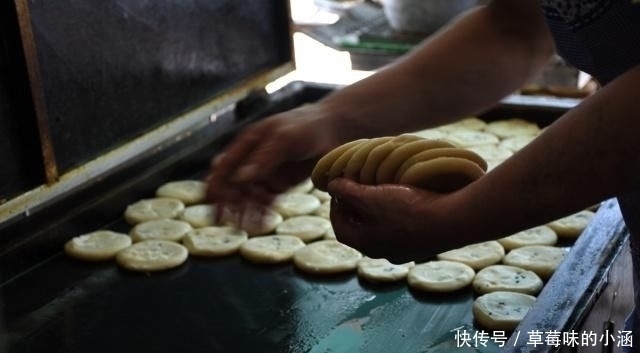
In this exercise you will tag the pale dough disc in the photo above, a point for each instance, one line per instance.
(302, 188)
(477, 256)
(160, 229)
(506, 278)
(320, 173)
(391, 169)
(199, 215)
(271, 249)
(469, 123)
(541, 259)
(502, 311)
(572, 225)
(289, 205)
(188, 191)
(97, 246)
(386, 170)
(512, 127)
(151, 209)
(541, 235)
(381, 270)
(307, 228)
(368, 170)
(324, 210)
(321, 195)
(470, 138)
(493, 163)
(255, 221)
(214, 241)
(443, 174)
(430, 134)
(354, 166)
(152, 255)
(491, 152)
(330, 234)
(326, 257)
(440, 276)
(516, 143)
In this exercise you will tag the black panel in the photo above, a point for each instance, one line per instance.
(20, 155)
(115, 69)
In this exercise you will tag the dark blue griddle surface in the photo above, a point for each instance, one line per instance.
(225, 305)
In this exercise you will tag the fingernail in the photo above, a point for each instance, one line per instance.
(245, 173)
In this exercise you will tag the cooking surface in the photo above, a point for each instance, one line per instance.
(223, 305)
(229, 305)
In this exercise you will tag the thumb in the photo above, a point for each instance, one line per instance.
(357, 196)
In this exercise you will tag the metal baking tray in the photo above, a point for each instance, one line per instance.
(51, 303)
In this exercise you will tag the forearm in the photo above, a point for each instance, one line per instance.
(588, 155)
(462, 70)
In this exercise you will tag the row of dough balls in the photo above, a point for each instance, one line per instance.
(406, 159)
(175, 216)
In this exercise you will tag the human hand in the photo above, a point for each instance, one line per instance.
(396, 222)
(270, 156)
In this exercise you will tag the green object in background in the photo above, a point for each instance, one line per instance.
(351, 41)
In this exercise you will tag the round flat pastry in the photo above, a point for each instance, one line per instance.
(321, 195)
(573, 225)
(214, 241)
(386, 170)
(320, 174)
(271, 249)
(188, 191)
(289, 205)
(255, 220)
(381, 270)
(512, 127)
(326, 257)
(151, 209)
(97, 246)
(392, 170)
(160, 229)
(152, 255)
(443, 174)
(491, 152)
(375, 157)
(307, 228)
(357, 161)
(496, 278)
(302, 188)
(330, 234)
(470, 138)
(541, 235)
(440, 276)
(516, 143)
(199, 215)
(493, 163)
(324, 210)
(469, 123)
(430, 134)
(502, 311)
(477, 256)
(541, 259)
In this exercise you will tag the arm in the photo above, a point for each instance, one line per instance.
(588, 155)
(465, 68)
